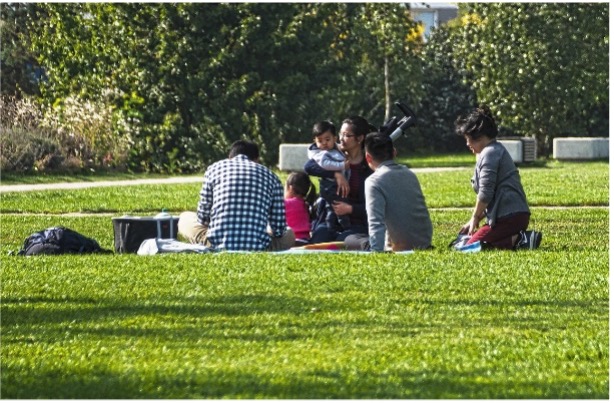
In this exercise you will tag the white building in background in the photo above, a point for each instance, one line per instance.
(432, 15)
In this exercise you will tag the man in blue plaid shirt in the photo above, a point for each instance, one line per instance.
(241, 206)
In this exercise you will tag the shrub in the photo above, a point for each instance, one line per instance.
(25, 146)
(87, 130)
(68, 136)
(24, 150)
(19, 112)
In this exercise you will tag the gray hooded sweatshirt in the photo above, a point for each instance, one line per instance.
(496, 181)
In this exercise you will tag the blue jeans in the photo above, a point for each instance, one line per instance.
(322, 234)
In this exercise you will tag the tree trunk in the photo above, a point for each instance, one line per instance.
(386, 89)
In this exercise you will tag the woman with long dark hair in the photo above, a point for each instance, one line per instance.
(351, 141)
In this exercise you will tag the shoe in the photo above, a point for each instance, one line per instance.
(470, 248)
(529, 240)
(535, 240)
(461, 240)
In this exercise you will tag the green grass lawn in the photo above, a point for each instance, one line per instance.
(438, 160)
(433, 324)
(567, 184)
(9, 178)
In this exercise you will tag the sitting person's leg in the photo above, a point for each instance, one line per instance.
(328, 191)
(321, 234)
(331, 217)
(354, 229)
(504, 234)
(285, 242)
(301, 242)
(357, 242)
(344, 221)
(190, 229)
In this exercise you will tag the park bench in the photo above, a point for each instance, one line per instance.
(292, 157)
(581, 148)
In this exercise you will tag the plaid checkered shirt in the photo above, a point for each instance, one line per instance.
(239, 198)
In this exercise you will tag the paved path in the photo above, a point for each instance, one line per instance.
(133, 182)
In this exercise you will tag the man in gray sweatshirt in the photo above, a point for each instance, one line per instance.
(398, 219)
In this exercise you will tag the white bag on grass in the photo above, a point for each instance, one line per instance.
(154, 246)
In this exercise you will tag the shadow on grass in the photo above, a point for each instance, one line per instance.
(265, 319)
(345, 383)
(24, 312)
(221, 321)
(19, 311)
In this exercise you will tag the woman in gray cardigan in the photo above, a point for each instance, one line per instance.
(496, 181)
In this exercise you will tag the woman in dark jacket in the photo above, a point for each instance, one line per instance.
(352, 137)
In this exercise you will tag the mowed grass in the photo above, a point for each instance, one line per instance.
(437, 160)
(557, 184)
(9, 178)
(433, 324)
(32, 178)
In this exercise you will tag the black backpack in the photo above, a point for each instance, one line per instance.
(57, 241)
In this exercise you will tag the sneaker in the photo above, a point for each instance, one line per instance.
(529, 240)
(470, 248)
(535, 239)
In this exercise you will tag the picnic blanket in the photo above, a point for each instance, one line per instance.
(158, 246)
(154, 246)
(329, 247)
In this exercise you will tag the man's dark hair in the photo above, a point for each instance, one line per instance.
(244, 147)
(379, 146)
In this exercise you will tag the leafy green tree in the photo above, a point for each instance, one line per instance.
(193, 77)
(306, 62)
(91, 76)
(446, 97)
(185, 80)
(543, 67)
(267, 75)
(19, 70)
(377, 49)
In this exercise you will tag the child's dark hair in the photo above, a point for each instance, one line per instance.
(302, 186)
(477, 123)
(323, 127)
